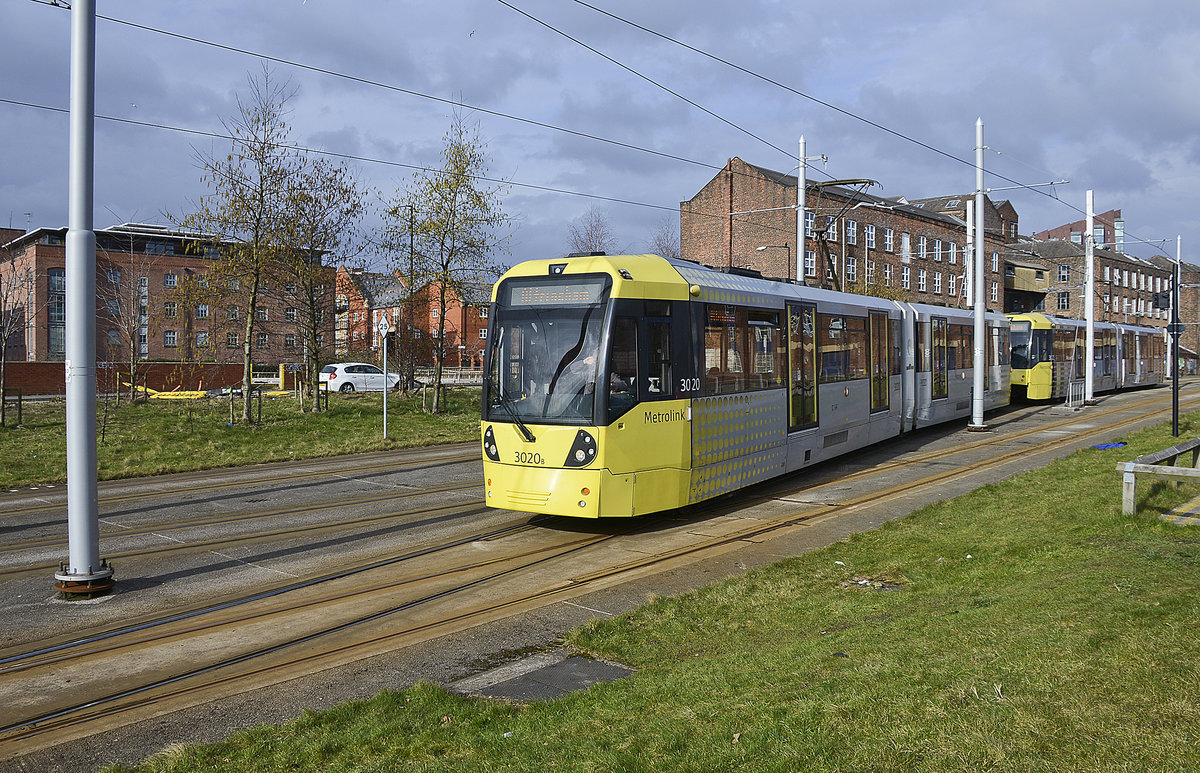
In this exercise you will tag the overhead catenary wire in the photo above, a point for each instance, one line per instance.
(1052, 194)
(583, 135)
(398, 164)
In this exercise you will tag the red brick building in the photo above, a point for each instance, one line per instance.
(152, 293)
(363, 298)
(913, 249)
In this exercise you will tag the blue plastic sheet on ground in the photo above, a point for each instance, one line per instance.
(1107, 446)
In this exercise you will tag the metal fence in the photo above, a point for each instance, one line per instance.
(1075, 394)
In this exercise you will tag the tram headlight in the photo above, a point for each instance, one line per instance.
(583, 450)
(489, 445)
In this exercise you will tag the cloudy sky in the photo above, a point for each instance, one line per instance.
(1087, 90)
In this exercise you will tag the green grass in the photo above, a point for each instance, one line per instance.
(158, 436)
(1036, 629)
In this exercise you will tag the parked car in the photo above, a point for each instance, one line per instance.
(356, 377)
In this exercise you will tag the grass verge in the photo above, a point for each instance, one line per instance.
(159, 436)
(1035, 628)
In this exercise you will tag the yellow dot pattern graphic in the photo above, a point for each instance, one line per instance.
(737, 440)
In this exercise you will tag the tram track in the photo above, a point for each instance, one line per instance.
(239, 478)
(203, 523)
(350, 639)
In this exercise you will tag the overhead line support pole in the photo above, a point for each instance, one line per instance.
(980, 362)
(1089, 304)
(85, 574)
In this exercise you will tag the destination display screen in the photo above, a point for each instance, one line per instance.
(575, 291)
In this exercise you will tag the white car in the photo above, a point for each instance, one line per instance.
(356, 377)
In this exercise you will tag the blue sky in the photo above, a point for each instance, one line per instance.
(1093, 92)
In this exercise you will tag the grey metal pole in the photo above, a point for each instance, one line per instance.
(801, 200)
(1175, 330)
(969, 256)
(1089, 304)
(980, 305)
(84, 573)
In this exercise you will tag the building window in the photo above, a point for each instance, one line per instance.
(921, 280)
(851, 232)
(289, 340)
(1107, 273)
(231, 340)
(937, 250)
(263, 340)
(810, 219)
(1064, 272)
(831, 228)
(937, 282)
(870, 271)
(202, 311)
(202, 340)
(952, 285)
(435, 313)
(1064, 301)
(169, 339)
(114, 276)
(851, 269)
(114, 338)
(887, 274)
(290, 314)
(904, 277)
(114, 309)
(483, 312)
(889, 240)
(810, 263)
(170, 309)
(170, 280)
(995, 262)
(921, 244)
(290, 289)
(232, 313)
(58, 280)
(482, 333)
(870, 228)
(995, 292)
(953, 253)
(260, 313)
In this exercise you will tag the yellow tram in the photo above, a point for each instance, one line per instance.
(1048, 353)
(626, 385)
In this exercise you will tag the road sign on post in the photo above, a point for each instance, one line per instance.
(383, 328)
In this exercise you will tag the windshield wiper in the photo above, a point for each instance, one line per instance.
(506, 403)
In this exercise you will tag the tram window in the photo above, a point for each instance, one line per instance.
(724, 342)
(658, 380)
(766, 368)
(622, 367)
(960, 348)
(841, 347)
(897, 345)
(922, 353)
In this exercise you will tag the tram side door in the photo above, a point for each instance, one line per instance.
(802, 367)
(881, 347)
(941, 379)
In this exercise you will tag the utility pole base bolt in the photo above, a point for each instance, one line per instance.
(84, 586)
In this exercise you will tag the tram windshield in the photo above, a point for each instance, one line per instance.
(545, 342)
(1029, 346)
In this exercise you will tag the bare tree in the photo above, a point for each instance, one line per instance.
(455, 228)
(590, 233)
(123, 300)
(247, 209)
(326, 203)
(665, 239)
(17, 308)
